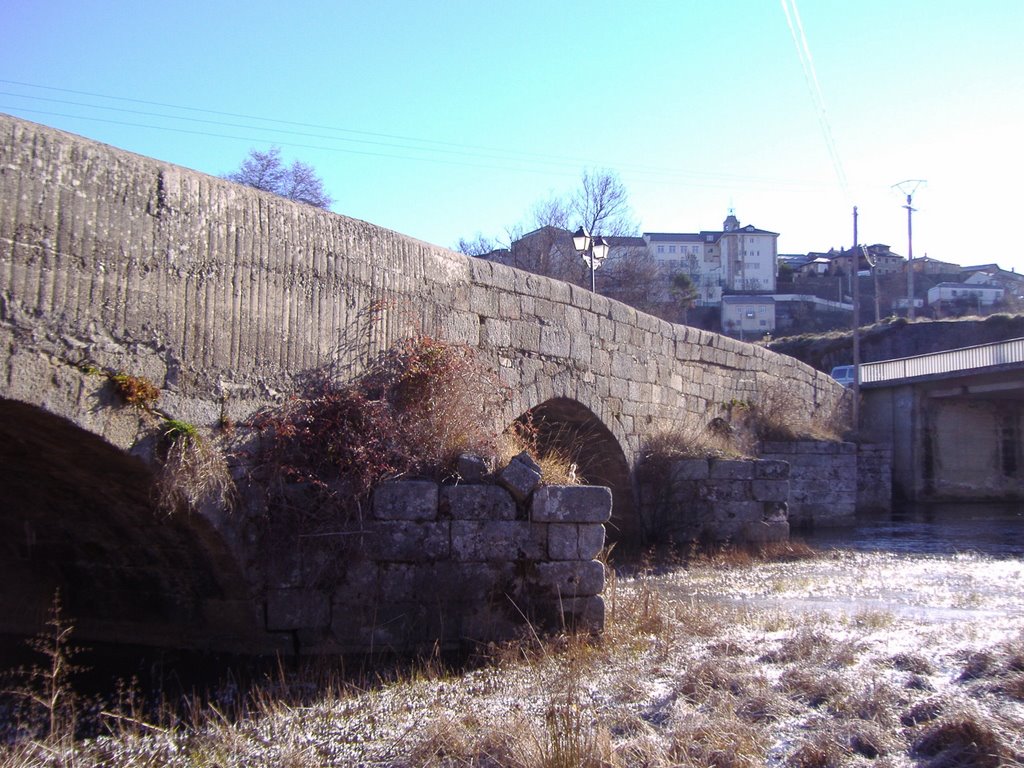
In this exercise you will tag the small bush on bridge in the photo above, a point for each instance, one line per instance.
(192, 471)
(412, 412)
(136, 390)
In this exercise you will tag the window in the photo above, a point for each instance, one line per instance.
(671, 249)
(661, 249)
(750, 313)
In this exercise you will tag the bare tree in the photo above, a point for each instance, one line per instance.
(635, 278)
(543, 244)
(266, 171)
(478, 246)
(553, 212)
(601, 204)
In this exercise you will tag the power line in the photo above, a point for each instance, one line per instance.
(796, 30)
(533, 162)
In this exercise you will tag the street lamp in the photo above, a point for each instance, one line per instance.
(593, 249)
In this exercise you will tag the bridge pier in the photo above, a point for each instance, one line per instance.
(954, 439)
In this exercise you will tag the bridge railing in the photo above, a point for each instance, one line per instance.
(951, 361)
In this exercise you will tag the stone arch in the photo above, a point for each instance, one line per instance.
(571, 427)
(77, 515)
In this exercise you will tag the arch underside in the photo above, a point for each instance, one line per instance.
(77, 515)
(576, 432)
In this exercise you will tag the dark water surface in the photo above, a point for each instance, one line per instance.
(934, 529)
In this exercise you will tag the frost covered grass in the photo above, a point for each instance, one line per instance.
(841, 660)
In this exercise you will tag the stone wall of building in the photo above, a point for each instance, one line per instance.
(685, 500)
(443, 566)
(822, 480)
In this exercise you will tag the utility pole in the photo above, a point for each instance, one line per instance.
(909, 187)
(855, 269)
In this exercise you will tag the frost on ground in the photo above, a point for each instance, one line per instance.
(844, 659)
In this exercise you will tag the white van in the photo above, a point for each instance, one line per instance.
(844, 374)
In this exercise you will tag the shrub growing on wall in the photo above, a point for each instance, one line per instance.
(412, 412)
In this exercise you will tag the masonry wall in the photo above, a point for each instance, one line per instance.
(443, 566)
(685, 500)
(874, 477)
(226, 296)
(822, 480)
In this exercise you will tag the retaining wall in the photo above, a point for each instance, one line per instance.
(444, 566)
(874, 477)
(715, 499)
(822, 480)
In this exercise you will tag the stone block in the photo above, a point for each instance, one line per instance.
(727, 490)
(478, 502)
(400, 541)
(689, 469)
(591, 540)
(563, 541)
(570, 579)
(501, 540)
(520, 477)
(554, 342)
(740, 511)
(572, 541)
(770, 490)
(732, 469)
(360, 582)
(289, 609)
(406, 500)
(471, 468)
(571, 504)
(771, 469)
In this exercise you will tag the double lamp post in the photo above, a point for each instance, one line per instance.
(593, 249)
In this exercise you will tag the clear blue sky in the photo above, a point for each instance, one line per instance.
(442, 119)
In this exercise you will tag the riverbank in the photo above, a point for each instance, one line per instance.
(843, 659)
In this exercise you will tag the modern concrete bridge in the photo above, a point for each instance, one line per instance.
(954, 419)
(226, 298)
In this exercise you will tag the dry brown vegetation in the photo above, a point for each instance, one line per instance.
(734, 429)
(696, 668)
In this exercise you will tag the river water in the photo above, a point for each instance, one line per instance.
(936, 565)
(996, 530)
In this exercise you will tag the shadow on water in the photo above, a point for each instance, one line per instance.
(996, 530)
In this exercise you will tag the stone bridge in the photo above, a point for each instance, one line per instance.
(226, 297)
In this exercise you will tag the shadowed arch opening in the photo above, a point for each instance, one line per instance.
(572, 429)
(77, 515)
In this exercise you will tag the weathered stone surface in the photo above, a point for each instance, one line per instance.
(571, 579)
(406, 500)
(228, 297)
(481, 540)
(477, 502)
(771, 469)
(722, 469)
(689, 469)
(520, 477)
(770, 490)
(822, 481)
(571, 504)
(591, 540)
(293, 608)
(471, 468)
(398, 541)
